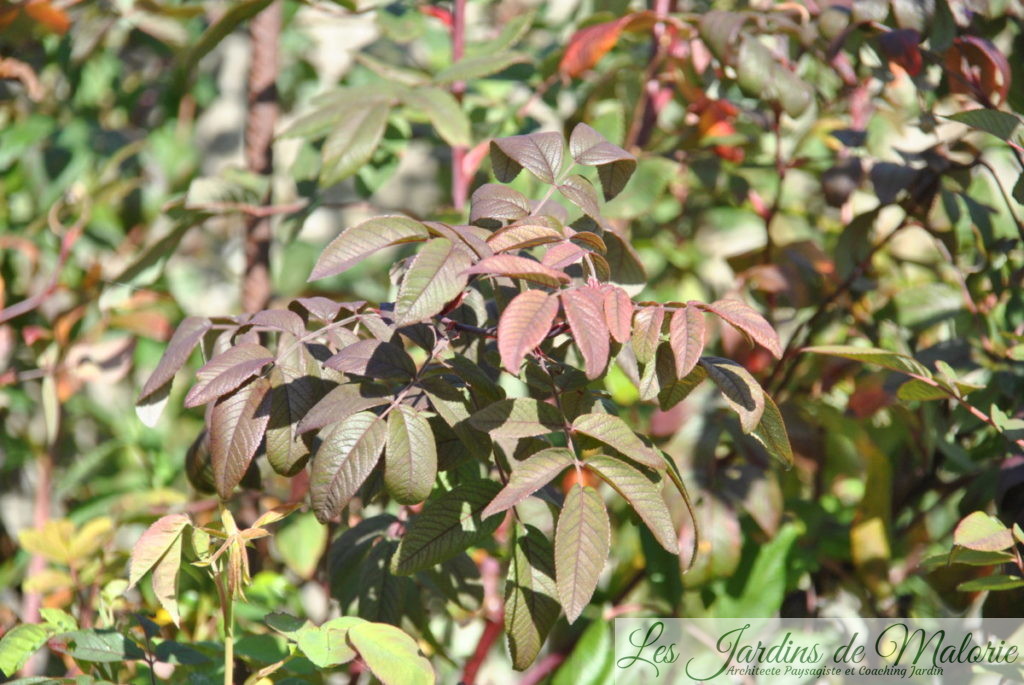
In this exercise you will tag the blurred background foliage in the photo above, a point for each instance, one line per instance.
(800, 156)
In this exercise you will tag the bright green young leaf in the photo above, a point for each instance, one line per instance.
(872, 355)
(327, 645)
(18, 644)
(392, 655)
(165, 579)
(997, 583)
(592, 659)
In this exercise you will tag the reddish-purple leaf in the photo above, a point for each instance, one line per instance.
(184, 340)
(340, 403)
(295, 387)
(647, 332)
(322, 308)
(281, 320)
(523, 325)
(237, 425)
(540, 153)
(614, 165)
(519, 267)
(498, 202)
(581, 193)
(591, 241)
(618, 312)
(743, 317)
(584, 309)
(227, 371)
(473, 237)
(562, 255)
(358, 242)
(374, 359)
(157, 539)
(686, 336)
(522, 236)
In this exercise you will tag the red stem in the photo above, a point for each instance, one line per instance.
(460, 184)
(490, 635)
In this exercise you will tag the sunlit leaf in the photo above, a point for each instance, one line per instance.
(531, 604)
(686, 336)
(745, 319)
(524, 325)
(529, 476)
(347, 455)
(360, 241)
(643, 494)
(410, 458)
(582, 543)
(519, 267)
(237, 425)
(227, 371)
(982, 533)
(540, 153)
(584, 309)
(154, 543)
(435, 277)
(392, 655)
(615, 433)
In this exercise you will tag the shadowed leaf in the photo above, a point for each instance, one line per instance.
(614, 165)
(522, 417)
(531, 607)
(739, 389)
(540, 153)
(642, 493)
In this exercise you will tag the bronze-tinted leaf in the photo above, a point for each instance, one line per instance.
(581, 192)
(643, 492)
(436, 276)
(614, 165)
(227, 371)
(618, 313)
(739, 389)
(584, 309)
(540, 153)
(360, 241)
(410, 457)
(340, 403)
(351, 143)
(523, 325)
(154, 543)
(647, 332)
(743, 317)
(237, 424)
(448, 525)
(346, 456)
(686, 335)
(295, 387)
(582, 543)
(188, 334)
(519, 267)
(522, 417)
(522, 236)
(529, 476)
(531, 604)
(497, 203)
(373, 359)
(615, 433)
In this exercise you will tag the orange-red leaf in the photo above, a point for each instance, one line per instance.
(519, 267)
(618, 313)
(743, 317)
(584, 309)
(523, 325)
(686, 336)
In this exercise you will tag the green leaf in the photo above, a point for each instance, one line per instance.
(327, 645)
(448, 525)
(444, 112)
(18, 644)
(968, 557)
(531, 607)
(1002, 125)
(643, 492)
(346, 457)
(410, 458)
(582, 543)
(58, 619)
(771, 433)
(872, 355)
(436, 276)
(358, 242)
(739, 389)
(766, 582)
(982, 533)
(615, 433)
(392, 655)
(992, 584)
(529, 476)
(472, 68)
(102, 646)
(352, 143)
(916, 389)
(301, 542)
(592, 660)
(286, 624)
(154, 543)
(165, 579)
(522, 417)
(221, 29)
